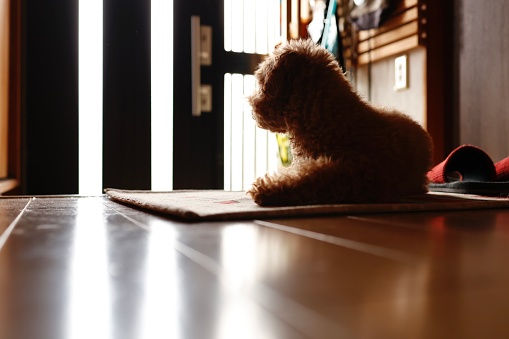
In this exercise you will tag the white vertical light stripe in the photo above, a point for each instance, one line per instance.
(237, 132)
(262, 27)
(237, 24)
(277, 31)
(162, 95)
(159, 311)
(228, 25)
(271, 23)
(227, 131)
(249, 152)
(250, 26)
(90, 70)
(89, 271)
(261, 152)
(249, 163)
(272, 153)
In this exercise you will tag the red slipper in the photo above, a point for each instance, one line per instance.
(469, 170)
(502, 168)
(465, 163)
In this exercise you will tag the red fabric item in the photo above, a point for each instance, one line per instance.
(502, 168)
(465, 163)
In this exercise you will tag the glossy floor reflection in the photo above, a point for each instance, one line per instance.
(86, 267)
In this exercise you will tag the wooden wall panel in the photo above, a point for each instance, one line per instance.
(15, 62)
(378, 87)
(10, 96)
(4, 84)
(482, 75)
(403, 31)
(422, 29)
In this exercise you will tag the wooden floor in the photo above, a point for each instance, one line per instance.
(86, 267)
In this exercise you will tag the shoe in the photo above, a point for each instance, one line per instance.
(502, 168)
(469, 170)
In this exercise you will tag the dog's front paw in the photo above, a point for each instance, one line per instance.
(259, 192)
(272, 191)
(264, 192)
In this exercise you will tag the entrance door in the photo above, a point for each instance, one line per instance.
(222, 148)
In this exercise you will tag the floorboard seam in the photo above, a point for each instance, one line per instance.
(8, 230)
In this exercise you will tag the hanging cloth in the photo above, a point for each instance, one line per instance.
(370, 14)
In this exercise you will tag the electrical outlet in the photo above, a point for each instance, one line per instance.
(400, 73)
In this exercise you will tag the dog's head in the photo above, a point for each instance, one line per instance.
(286, 79)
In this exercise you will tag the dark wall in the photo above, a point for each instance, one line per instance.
(482, 75)
(439, 79)
(126, 98)
(50, 97)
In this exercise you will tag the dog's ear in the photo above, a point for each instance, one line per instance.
(278, 78)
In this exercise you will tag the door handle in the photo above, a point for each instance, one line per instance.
(201, 54)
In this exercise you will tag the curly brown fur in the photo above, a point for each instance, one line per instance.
(345, 150)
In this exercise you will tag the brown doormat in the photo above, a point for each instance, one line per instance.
(198, 205)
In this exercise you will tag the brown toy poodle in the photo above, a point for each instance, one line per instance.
(345, 150)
